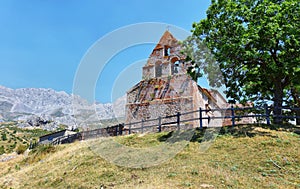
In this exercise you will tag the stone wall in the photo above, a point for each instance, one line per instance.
(148, 72)
(164, 96)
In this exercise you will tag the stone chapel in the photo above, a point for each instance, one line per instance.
(166, 88)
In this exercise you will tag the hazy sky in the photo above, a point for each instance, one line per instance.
(43, 41)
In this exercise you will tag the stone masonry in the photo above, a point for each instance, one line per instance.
(166, 88)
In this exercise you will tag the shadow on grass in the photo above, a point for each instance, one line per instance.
(237, 131)
(284, 127)
(177, 136)
(172, 136)
(244, 131)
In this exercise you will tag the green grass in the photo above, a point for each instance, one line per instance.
(242, 157)
(13, 138)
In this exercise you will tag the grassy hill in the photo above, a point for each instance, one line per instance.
(13, 139)
(244, 157)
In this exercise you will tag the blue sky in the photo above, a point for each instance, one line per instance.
(43, 41)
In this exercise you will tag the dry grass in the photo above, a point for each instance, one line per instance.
(244, 158)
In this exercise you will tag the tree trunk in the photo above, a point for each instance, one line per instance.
(278, 99)
(297, 104)
(297, 111)
(298, 117)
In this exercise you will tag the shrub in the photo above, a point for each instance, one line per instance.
(2, 150)
(13, 146)
(43, 149)
(39, 152)
(3, 136)
(21, 149)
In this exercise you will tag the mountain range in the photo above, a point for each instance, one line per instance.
(40, 105)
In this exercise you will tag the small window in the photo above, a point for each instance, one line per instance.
(176, 67)
(167, 51)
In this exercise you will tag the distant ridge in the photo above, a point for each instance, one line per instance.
(60, 107)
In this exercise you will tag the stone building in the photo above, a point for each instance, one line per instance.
(166, 88)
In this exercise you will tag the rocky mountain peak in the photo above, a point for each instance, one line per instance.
(50, 105)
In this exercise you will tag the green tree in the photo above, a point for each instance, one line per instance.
(202, 60)
(257, 46)
(3, 136)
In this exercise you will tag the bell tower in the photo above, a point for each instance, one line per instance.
(165, 59)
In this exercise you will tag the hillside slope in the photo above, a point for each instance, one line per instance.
(248, 157)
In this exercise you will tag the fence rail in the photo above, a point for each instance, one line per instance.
(229, 117)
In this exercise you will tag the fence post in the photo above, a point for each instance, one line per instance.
(267, 114)
(116, 130)
(129, 130)
(159, 124)
(142, 125)
(178, 121)
(200, 118)
(232, 116)
(121, 128)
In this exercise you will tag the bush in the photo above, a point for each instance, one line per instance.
(39, 152)
(44, 149)
(21, 149)
(3, 136)
(2, 150)
(13, 146)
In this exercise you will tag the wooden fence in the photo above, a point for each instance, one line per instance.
(229, 117)
(102, 132)
(66, 139)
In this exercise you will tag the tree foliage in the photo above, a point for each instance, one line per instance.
(256, 44)
(202, 61)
